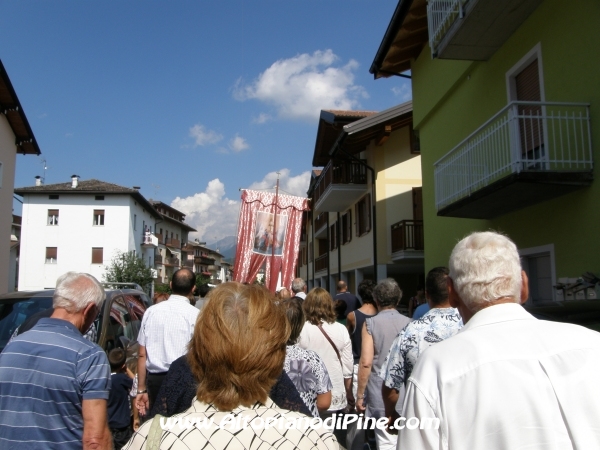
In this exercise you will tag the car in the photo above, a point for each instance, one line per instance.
(579, 312)
(117, 325)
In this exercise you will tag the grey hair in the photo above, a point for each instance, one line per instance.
(75, 290)
(387, 292)
(485, 267)
(298, 285)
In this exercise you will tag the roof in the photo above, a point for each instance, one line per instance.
(11, 107)
(356, 135)
(157, 203)
(405, 37)
(92, 186)
(331, 123)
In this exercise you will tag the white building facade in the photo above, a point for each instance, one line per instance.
(81, 226)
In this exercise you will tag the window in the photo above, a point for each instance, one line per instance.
(538, 263)
(134, 222)
(98, 217)
(51, 255)
(53, 196)
(347, 227)
(333, 241)
(99, 197)
(415, 141)
(363, 215)
(97, 255)
(53, 217)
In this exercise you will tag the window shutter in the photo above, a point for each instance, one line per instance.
(368, 213)
(97, 255)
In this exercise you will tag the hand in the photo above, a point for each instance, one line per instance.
(360, 405)
(136, 424)
(390, 424)
(142, 403)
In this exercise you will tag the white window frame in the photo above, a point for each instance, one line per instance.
(539, 251)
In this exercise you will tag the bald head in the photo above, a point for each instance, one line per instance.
(183, 282)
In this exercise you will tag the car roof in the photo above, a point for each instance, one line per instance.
(50, 292)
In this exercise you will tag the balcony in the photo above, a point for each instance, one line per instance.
(203, 260)
(407, 239)
(322, 262)
(173, 243)
(187, 248)
(474, 29)
(160, 238)
(158, 259)
(174, 262)
(525, 154)
(189, 264)
(339, 186)
(149, 241)
(321, 225)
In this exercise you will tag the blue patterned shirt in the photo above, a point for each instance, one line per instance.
(45, 374)
(435, 326)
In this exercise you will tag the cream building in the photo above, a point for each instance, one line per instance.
(366, 219)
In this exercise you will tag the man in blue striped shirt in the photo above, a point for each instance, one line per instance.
(54, 384)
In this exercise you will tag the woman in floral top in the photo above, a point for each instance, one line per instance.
(305, 367)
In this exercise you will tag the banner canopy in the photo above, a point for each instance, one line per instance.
(268, 233)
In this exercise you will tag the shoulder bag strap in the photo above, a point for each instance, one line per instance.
(155, 434)
(337, 352)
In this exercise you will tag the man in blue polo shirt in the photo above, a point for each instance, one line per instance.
(54, 384)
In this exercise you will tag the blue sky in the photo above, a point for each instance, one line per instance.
(191, 100)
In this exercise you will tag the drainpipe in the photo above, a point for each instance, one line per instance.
(312, 252)
(338, 146)
(328, 255)
(339, 247)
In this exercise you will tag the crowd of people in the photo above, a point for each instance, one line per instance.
(492, 375)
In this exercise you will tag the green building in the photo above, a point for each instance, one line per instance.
(506, 104)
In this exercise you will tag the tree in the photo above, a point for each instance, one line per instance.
(125, 267)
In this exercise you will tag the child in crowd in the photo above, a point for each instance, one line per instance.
(119, 412)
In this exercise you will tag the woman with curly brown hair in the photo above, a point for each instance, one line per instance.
(236, 354)
(331, 341)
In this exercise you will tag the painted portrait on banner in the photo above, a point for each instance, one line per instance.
(264, 241)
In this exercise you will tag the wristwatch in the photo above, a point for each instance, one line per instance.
(142, 392)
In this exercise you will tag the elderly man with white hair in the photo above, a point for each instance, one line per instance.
(54, 384)
(506, 380)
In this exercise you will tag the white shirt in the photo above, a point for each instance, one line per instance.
(248, 431)
(166, 330)
(507, 381)
(311, 338)
(301, 295)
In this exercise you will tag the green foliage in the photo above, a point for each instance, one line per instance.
(201, 280)
(125, 267)
(162, 288)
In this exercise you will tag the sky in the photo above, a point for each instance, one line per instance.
(190, 100)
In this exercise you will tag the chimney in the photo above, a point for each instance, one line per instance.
(38, 180)
(74, 181)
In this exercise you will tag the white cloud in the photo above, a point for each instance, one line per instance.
(202, 136)
(215, 216)
(238, 144)
(404, 92)
(262, 118)
(301, 86)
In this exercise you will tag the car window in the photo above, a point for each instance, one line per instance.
(14, 313)
(136, 312)
(119, 324)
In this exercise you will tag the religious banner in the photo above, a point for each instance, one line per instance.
(269, 231)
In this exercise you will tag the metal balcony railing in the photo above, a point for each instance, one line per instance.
(521, 137)
(321, 220)
(173, 243)
(321, 262)
(339, 172)
(158, 259)
(172, 261)
(407, 235)
(441, 14)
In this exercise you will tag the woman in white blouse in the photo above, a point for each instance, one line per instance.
(331, 341)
